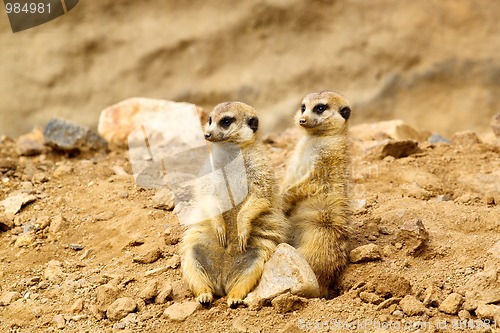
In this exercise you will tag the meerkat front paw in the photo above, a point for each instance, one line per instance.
(243, 236)
(205, 298)
(220, 230)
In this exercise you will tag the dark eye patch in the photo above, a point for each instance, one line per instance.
(320, 108)
(226, 122)
(210, 120)
(302, 108)
(345, 112)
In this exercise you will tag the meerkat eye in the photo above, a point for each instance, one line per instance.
(210, 120)
(226, 122)
(320, 108)
(302, 108)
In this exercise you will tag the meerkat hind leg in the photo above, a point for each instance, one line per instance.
(245, 276)
(194, 267)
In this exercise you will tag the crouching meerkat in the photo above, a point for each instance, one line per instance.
(315, 186)
(225, 253)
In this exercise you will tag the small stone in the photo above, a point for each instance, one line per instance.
(412, 306)
(148, 257)
(5, 223)
(9, 297)
(495, 250)
(77, 306)
(369, 252)
(174, 261)
(171, 239)
(104, 216)
(391, 285)
(31, 144)
(464, 314)
(413, 236)
(465, 138)
(62, 170)
(398, 314)
(495, 124)
(25, 239)
(288, 302)
(14, 202)
(388, 302)
(67, 136)
(433, 296)
(96, 312)
(39, 178)
(155, 271)
(482, 288)
(489, 312)
(451, 304)
(285, 271)
(120, 308)
(123, 194)
(399, 149)
(57, 224)
(53, 272)
(59, 321)
(43, 222)
(164, 295)
(437, 138)
(149, 292)
(119, 171)
(105, 295)
(163, 199)
(370, 297)
(181, 311)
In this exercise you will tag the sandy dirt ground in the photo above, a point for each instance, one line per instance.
(91, 236)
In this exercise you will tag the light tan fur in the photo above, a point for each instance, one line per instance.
(315, 187)
(225, 254)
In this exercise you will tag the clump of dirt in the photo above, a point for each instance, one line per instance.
(91, 253)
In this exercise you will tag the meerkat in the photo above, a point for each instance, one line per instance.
(225, 253)
(315, 197)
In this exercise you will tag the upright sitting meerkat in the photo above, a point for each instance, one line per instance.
(315, 186)
(224, 254)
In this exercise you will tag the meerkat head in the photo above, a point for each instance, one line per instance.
(324, 112)
(233, 122)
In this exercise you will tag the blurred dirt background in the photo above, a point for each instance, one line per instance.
(91, 252)
(434, 64)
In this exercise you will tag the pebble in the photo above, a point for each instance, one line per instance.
(123, 194)
(53, 272)
(364, 253)
(433, 296)
(288, 302)
(14, 202)
(163, 199)
(482, 288)
(77, 306)
(443, 198)
(104, 216)
(62, 170)
(120, 308)
(164, 295)
(451, 304)
(76, 247)
(437, 138)
(369, 297)
(465, 138)
(181, 311)
(39, 178)
(411, 306)
(8, 297)
(67, 136)
(5, 223)
(285, 271)
(30, 144)
(174, 261)
(388, 302)
(105, 295)
(148, 257)
(59, 321)
(495, 250)
(413, 235)
(149, 292)
(57, 224)
(464, 314)
(391, 285)
(490, 312)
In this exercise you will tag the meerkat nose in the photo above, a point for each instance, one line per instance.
(208, 135)
(302, 121)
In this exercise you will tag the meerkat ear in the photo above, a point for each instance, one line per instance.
(345, 112)
(253, 123)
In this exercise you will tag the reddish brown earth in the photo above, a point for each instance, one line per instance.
(80, 200)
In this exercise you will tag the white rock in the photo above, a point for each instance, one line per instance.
(181, 311)
(14, 202)
(117, 121)
(285, 271)
(9, 297)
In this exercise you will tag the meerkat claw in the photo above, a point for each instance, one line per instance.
(205, 298)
